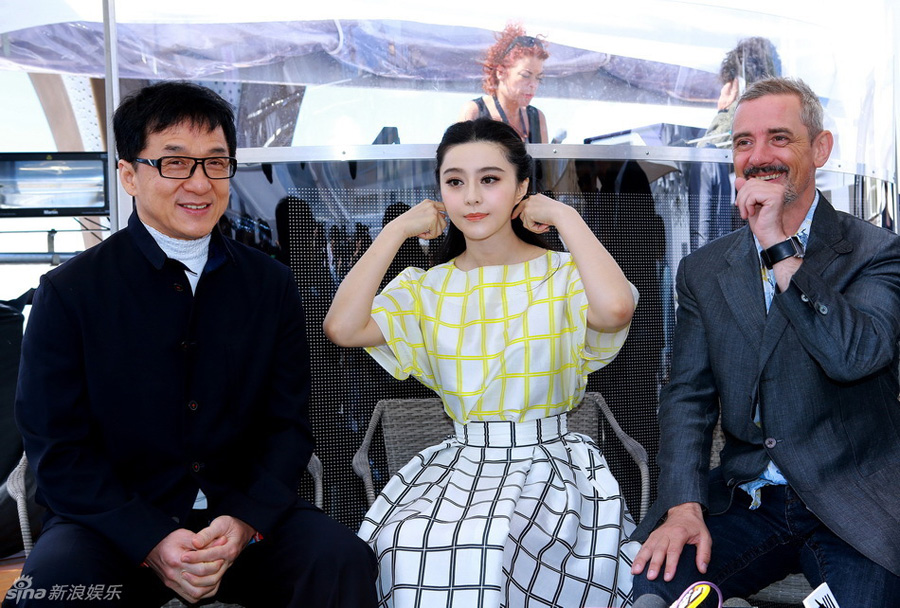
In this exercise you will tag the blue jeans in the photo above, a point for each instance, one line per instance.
(752, 549)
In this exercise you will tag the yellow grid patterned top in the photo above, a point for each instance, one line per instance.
(496, 342)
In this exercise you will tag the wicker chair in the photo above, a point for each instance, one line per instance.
(317, 471)
(15, 485)
(410, 425)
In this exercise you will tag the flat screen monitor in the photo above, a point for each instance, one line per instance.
(46, 184)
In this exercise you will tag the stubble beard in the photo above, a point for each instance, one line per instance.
(790, 194)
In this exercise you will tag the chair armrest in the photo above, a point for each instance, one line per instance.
(317, 471)
(361, 465)
(15, 485)
(632, 446)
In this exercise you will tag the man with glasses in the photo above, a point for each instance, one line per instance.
(163, 396)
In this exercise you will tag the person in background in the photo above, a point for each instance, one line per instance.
(787, 333)
(752, 59)
(163, 397)
(513, 70)
(711, 204)
(513, 510)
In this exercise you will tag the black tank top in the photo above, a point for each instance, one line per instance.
(531, 115)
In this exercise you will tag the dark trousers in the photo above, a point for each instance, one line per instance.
(310, 561)
(752, 549)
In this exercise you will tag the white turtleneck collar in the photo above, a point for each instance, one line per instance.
(192, 253)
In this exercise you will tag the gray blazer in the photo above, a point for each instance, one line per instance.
(822, 365)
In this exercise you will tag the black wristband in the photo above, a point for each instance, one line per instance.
(791, 248)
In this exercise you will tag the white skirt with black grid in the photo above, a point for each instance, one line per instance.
(503, 514)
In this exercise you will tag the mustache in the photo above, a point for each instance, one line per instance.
(754, 171)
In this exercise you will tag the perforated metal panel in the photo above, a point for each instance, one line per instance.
(331, 210)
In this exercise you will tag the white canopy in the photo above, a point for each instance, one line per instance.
(626, 56)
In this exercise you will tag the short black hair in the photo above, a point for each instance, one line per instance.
(159, 106)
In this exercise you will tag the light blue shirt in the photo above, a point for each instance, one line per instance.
(772, 475)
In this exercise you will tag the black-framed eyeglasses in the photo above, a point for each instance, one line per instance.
(523, 41)
(183, 167)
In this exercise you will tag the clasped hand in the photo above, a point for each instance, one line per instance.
(192, 564)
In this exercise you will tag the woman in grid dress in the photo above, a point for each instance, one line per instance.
(513, 510)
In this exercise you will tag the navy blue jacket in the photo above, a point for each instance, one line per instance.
(134, 393)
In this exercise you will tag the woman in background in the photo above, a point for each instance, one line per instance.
(513, 69)
(513, 510)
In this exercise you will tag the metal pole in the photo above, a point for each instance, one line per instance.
(112, 101)
(51, 247)
(52, 259)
